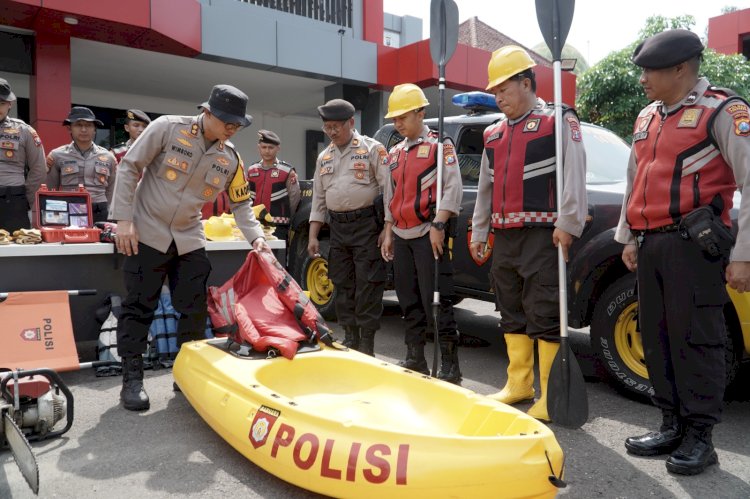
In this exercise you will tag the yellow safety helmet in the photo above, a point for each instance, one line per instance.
(405, 98)
(506, 62)
(219, 229)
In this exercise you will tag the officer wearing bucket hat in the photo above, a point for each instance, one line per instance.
(273, 183)
(349, 175)
(416, 236)
(702, 133)
(83, 162)
(185, 161)
(135, 122)
(22, 168)
(517, 200)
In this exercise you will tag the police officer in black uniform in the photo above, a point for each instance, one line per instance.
(22, 166)
(691, 146)
(349, 175)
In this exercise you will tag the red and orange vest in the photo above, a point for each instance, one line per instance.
(522, 169)
(414, 175)
(268, 187)
(679, 164)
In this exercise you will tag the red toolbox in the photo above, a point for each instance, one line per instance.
(65, 216)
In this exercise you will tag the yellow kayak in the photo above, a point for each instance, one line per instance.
(344, 424)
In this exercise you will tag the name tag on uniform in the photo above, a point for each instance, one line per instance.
(690, 118)
(253, 174)
(423, 151)
(494, 136)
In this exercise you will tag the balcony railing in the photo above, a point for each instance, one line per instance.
(338, 12)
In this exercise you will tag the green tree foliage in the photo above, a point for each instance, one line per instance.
(610, 95)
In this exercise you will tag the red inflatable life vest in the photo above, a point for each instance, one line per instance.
(262, 305)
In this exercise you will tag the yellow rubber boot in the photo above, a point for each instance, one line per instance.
(547, 353)
(520, 384)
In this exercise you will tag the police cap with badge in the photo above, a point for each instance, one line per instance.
(268, 137)
(336, 110)
(667, 49)
(136, 115)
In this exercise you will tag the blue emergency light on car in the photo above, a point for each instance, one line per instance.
(476, 101)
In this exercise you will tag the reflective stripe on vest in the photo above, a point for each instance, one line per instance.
(270, 190)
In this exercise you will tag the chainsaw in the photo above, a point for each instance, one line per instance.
(32, 402)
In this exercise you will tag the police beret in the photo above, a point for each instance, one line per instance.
(78, 113)
(268, 137)
(336, 110)
(137, 115)
(666, 49)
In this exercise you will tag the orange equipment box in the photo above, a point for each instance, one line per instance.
(65, 216)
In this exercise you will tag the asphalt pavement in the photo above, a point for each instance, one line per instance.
(168, 451)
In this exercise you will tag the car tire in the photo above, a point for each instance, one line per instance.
(311, 274)
(616, 341)
(618, 349)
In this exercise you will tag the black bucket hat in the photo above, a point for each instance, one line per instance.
(5, 92)
(228, 104)
(81, 113)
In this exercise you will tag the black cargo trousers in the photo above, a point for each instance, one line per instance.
(681, 297)
(144, 276)
(414, 279)
(356, 268)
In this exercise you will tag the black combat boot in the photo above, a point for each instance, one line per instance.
(132, 395)
(664, 441)
(415, 359)
(695, 453)
(351, 337)
(449, 368)
(367, 342)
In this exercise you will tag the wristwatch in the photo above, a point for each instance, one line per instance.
(438, 225)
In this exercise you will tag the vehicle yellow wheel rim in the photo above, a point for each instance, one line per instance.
(318, 283)
(628, 341)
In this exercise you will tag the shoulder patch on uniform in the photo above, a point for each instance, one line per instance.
(238, 189)
(35, 136)
(449, 155)
(737, 108)
(575, 129)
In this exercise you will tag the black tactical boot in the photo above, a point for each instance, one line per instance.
(132, 395)
(449, 368)
(351, 337)
(696, 453)
(664, 441)
(415, 359)
(367, 342)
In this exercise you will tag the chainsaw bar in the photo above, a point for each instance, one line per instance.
(22, 452)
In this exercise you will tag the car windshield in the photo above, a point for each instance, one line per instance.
(606, 156)
(606, 153)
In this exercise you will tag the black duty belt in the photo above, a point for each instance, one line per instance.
(657, 230)
(16, 190)
(351, 216)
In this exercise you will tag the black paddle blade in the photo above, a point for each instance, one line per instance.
(567, 402)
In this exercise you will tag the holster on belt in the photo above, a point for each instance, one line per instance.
(707, 230)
